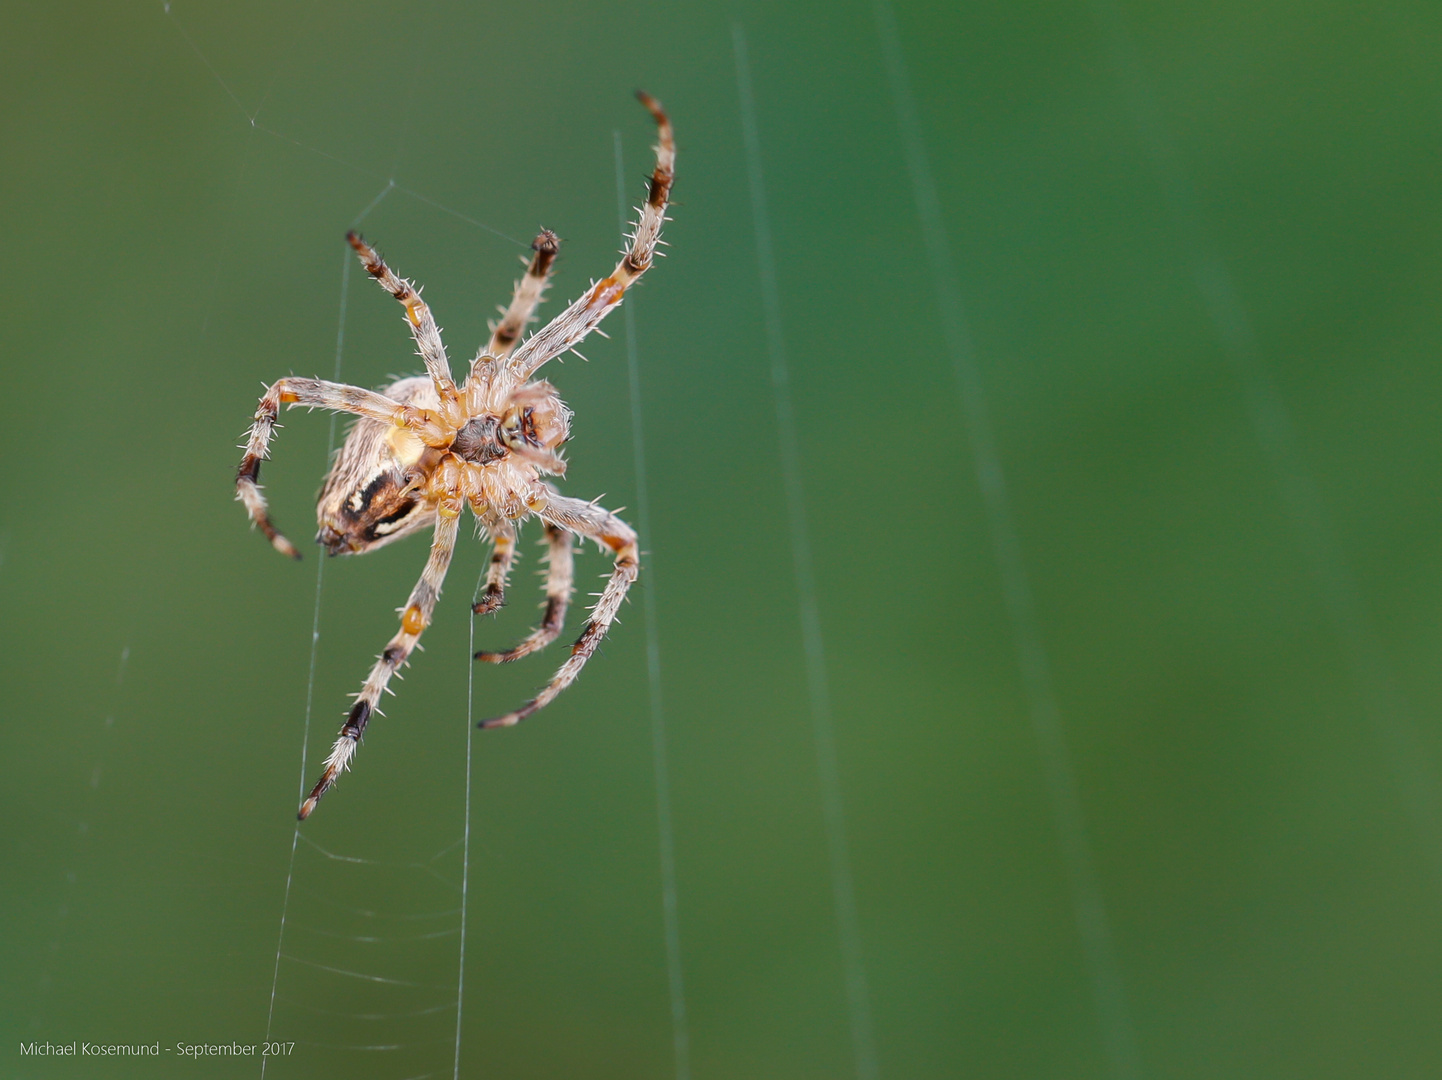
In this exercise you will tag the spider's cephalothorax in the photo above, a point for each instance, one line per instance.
(372, 494)
(425, 448)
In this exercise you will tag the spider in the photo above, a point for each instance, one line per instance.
(425, 448)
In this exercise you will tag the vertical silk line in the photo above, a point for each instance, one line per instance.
(466, 833)
(89, 811)
(1369, 669)
(205, 60)
(670, 914)
(310, 677)
(818, 691)
(257, 126)
(1109, 996)
(225, 253)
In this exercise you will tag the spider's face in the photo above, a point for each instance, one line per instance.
(535, 420)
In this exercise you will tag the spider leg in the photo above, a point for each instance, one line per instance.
(560, 583)
(317, 393)
(570, 326)
(503, 554)
(591, 521)
(526, 297)
(422, 323)
(414, 618)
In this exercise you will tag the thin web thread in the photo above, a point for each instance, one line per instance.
(466, 834)
(88, 812)
(818, 690)
(670, 914)
(310, 677)
(390, 185)
(413, 83)
(1369, 668)
(224, 249)
(252, 119)
(1117, 1027)
(279, 67)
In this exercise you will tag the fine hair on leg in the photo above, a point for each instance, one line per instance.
(560, 583)
(594, 523)
(415, 616)
(568, 328)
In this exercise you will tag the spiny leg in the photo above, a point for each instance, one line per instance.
(560, 583)
(414, 618)
(317, 393)
(588, 520)
(527, 295)
(503, 554)
(418, 315)
(568, 328)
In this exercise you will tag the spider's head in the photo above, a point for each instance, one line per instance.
(534, 425)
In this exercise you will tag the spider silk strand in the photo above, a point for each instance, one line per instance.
(1093, 926)
(310, 677)
(466, 832)
(252, 120)
(848, 927)
(1371, 671)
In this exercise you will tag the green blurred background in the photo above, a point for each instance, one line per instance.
(1198, 247)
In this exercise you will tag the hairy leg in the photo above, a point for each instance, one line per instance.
(317, 393)
(591, 521)
(527, 295)
(560, 583)
(421, 322)
(503, 554)
(415, 616)
(570, 326)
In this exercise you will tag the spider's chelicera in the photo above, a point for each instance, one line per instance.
(425, 448)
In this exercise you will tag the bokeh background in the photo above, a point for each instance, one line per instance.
(1119, 463)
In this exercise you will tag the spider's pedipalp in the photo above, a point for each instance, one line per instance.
(415, 616)
(418, 317)
(589, 520)
(560, 582)
(570, 326)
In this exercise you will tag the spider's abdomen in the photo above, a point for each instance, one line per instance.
(385, 509)
(368, 498)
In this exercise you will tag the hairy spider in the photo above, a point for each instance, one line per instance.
(425, 448)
